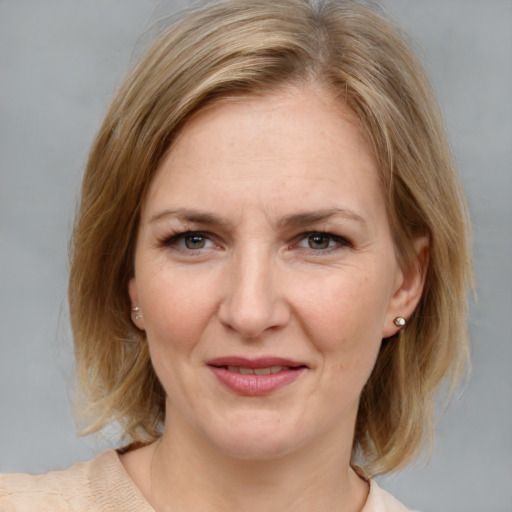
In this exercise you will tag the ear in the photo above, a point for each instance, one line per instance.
(135, 309)
(408, 287)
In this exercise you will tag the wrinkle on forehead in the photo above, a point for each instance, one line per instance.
(263, 149)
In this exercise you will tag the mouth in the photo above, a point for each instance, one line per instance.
(255, 377)
(257, 371)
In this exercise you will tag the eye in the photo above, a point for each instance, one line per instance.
(319, 241)
(189, 241)
(194, 241)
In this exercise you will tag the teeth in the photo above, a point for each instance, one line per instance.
(257, 371)
(261, 371)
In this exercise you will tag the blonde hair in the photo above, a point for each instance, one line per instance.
(250, 47)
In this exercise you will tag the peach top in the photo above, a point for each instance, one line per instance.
(102, 484)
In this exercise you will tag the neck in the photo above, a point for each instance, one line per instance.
(191, 474)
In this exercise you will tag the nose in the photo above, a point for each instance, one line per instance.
(253, 301)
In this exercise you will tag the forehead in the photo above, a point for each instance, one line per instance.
(269, 147)
(291, 112)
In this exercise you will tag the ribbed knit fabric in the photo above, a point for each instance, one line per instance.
(103, 485)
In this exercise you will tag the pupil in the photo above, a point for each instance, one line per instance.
(318, 242)
(194, 242)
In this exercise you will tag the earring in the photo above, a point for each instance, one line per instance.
(399, 321)
(136, 309)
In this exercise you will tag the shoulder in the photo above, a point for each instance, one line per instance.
(54, 490)
(99, 484)
(380, 500)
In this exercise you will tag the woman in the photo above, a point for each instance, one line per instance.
(269, 268)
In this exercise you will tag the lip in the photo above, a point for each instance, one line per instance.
(259, 362)
(255, 384)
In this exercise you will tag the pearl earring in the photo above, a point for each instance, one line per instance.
(136, 309)
(399, 321)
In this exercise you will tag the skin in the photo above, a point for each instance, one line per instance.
(256, 281)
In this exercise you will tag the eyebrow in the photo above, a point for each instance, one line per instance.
(300, 218)
(294, 219)
(190, 215)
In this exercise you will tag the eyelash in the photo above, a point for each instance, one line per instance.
(174, 240)
(339, 240)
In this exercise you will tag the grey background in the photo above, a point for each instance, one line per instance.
(60, 62)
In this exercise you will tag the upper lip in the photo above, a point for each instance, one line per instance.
(259, 362)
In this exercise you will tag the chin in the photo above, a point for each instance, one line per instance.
(257, 441)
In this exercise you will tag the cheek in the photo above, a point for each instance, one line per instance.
(176, 313)
(176, 308)
(344, 319)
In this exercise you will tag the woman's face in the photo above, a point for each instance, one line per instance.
(266, 275)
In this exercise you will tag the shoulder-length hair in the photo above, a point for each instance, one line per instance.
(235, 47)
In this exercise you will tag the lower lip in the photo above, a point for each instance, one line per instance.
(255, 385)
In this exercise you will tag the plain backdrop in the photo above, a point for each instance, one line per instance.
(61, 60)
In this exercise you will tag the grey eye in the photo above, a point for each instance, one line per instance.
(195, 242)
(319, 241)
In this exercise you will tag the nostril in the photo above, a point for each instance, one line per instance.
(252, 322)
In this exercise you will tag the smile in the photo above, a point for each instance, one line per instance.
(255, 377)
(257, 371)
